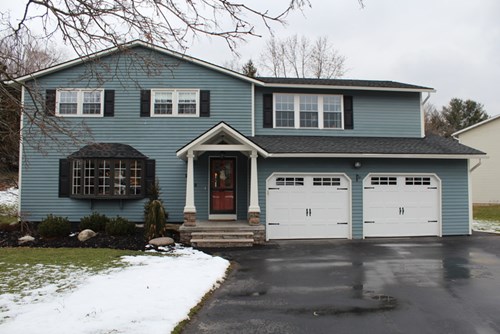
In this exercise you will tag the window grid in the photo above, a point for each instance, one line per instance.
(163, 103)
(285, 114)
(308, 111)
(326, 181)
(174, 102)
(89, 178)
(80, 102)
(77, 177)
(104, 178)
(120, 178)
(135, 178)
(289, 181)
(384, 181)
(418, 181)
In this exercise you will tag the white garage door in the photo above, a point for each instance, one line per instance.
(401, 205)
(308, 206)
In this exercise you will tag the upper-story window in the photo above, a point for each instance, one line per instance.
(308, 111)
(80, 102)
(175, 102)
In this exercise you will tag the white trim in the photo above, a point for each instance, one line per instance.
(224, 147)
(175, 102)
(21, 148)
(79, 102)
(221, 127)
(440, 203)
(375, 155)
(252, 112)
(475, 125)
(312, 174)
(273, 85)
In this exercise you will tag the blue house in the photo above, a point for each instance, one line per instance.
(240, 159)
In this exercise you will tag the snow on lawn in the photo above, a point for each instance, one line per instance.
(9, 197)
(486, 226)
(150, 295)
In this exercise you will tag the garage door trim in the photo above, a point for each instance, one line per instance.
(328, 174)
(415, 174)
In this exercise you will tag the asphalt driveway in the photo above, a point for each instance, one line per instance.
(419, 285)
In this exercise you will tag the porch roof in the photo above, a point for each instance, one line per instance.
(221, 137)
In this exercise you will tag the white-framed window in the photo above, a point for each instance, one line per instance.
(175, 102)
(76, 102)
(317, 111)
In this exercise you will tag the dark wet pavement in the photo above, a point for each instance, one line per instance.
(419, 285)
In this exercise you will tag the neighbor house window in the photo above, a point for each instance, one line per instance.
(308, 111)
(107, 178)
(174, 102)
(80, 102)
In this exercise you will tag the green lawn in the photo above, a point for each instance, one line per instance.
(490, 213)
(23, 270)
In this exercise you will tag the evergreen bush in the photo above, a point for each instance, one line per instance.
(54, 226)
(95, 222)
(120, 226)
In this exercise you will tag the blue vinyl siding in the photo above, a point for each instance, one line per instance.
(376, 114)
(453, 175)
(157, 138)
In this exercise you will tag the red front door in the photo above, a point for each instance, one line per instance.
(222, 186)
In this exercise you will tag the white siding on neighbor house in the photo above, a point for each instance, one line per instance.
(485, 178)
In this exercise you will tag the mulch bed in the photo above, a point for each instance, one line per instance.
(101, 240)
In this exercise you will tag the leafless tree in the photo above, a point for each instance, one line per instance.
(302, 58)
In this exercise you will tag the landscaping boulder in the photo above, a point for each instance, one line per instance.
(86, 235)
(25, 239)
(161, 242)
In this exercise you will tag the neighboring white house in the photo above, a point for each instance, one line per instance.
(484, 136)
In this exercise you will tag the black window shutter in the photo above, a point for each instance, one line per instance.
(204, 103)
(50, 102)
(348, 113)
(64, 179)
(150, 175)
(268, 110)
(145, 103)
(109, 103)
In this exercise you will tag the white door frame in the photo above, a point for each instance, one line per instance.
(440, 199)
(349, 181)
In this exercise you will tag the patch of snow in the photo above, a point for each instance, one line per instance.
(486, 226)
(151, 295)
(9, 196)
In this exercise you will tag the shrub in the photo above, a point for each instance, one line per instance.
(120, 226)
(155, 215)
(96, 222)
(54, 226)
(155, 220)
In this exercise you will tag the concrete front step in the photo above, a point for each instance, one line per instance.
(222, 235)
(221, 242)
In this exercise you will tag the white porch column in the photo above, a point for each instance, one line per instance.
(189, 208)
(254, 208)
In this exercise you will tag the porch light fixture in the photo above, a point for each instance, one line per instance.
(357, 164)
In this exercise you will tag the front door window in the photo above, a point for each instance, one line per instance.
(222, 186)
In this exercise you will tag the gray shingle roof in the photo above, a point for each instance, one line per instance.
(433, 145)
(341, 82)
(107, 150)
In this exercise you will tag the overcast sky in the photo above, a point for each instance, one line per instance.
(450, 45)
